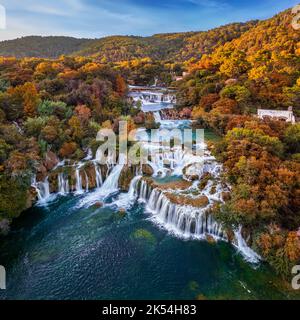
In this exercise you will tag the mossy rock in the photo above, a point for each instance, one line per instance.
(122, 212)
(210, 239)
(201, 297)
(193, 285)
(98, 204)
(144, 235)
(213, 189)
(190, 173)
(204, 180)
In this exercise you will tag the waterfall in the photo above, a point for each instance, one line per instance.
(111, 183)
(42, 189)
(152, 99)
(125, 200)
(109, 187)
(86, 182)
(243, 248)
(157, 116)
(187, 221)
(18, 127)
(63, 184)
(132, 187)
(89, 155)
(79, 189)
(184, 221)
(99, 180)
(143, 191)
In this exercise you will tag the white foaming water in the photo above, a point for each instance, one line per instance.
(86, 182)
(126, 200)
(89, 155)
(42, 189)
(98, 172)
(183, 221)
(241, 245)
(157, 116)
(152, 100)
(63, 184)
(109, 187)
(79, 189)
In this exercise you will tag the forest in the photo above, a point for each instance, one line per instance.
(53, 101)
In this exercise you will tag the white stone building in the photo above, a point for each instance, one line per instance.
(285, 115)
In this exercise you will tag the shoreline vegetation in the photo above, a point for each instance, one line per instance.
(52, 109)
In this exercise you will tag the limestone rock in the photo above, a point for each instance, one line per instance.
(51, 160)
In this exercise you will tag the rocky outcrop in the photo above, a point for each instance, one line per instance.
(197, 202)
(147, 170)
(190, 172)
(127, 174)
(50, 161)
(173, 114)
(204, 180)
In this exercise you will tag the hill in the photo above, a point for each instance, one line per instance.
(170, 46)
(41, 47)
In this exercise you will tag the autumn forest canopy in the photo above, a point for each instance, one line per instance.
(57, 92)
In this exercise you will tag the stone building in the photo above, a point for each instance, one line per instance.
(283, 115)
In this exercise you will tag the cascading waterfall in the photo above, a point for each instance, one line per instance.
(148, 98)
(184, 221)
(126, 200)
(86, 182)
(79, 189)
(142, 192)
(132, 187)
(109, 187)
(243, 248)
(111, 183)
(42, 189)
(99, 180)
(89, 155)
(63, 184)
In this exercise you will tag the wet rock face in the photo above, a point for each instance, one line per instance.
(53, 185)
(191, 172)
(41, 173)
(147, 170)
(204, 180)
(230, 235)
(127, 174)
(51, 160)
(98, 204)
(31, 197)
(88, 176)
